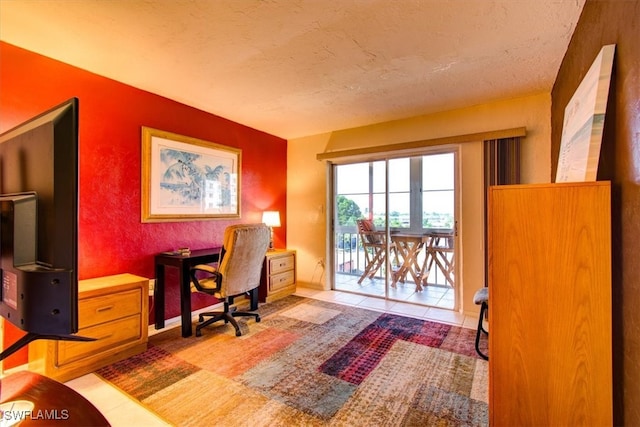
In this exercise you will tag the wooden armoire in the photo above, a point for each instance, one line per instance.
(550, 349)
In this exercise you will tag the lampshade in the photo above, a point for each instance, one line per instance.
(271, 218)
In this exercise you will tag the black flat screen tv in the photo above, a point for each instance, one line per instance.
(39, 228)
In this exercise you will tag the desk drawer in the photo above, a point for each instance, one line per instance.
(108, 335)
(280, 264)
(97, 310)
(282, 280)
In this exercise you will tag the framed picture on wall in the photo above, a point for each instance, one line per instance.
(584, 122)
(188, 179)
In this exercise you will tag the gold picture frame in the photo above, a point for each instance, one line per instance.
(188, 179)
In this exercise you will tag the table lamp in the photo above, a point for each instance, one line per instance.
(271, 219)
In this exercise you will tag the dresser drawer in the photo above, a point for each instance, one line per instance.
(280, 264)
(112, 309)
(282, 280)
(108, 335)
(97, 310)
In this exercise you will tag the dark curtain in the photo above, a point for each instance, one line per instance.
(501, 167)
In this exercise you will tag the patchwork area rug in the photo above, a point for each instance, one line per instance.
(312, 363)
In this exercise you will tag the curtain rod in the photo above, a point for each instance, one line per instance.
(456, 139)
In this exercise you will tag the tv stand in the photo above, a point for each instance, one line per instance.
(32, 336)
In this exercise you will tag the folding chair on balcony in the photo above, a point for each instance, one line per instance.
(374, 244)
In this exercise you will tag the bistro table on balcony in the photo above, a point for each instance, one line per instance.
(409, 247)
(438, 247)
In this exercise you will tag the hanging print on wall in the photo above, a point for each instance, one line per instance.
(584, 122)
(186, 178)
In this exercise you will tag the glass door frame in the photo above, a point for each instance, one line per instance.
(386, 157)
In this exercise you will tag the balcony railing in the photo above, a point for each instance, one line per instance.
(350, 260)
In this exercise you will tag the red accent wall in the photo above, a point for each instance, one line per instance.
(112, 238)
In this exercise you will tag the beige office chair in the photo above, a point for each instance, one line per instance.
(238, 272)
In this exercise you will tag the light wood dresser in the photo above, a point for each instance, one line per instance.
(113, 309)
(550, 315)
(278, 275)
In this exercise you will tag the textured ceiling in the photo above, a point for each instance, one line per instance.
(301, 67)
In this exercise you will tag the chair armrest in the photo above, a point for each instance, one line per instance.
(204, 267)
(209, 285)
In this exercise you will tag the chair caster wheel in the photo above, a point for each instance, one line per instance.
(258, 319)
(198, 333)
(238, 333)
(200, 318)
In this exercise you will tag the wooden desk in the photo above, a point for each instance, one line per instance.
(183, 263)
(54, 402)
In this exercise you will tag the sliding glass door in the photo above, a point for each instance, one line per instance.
(360, 200)
(394, 228)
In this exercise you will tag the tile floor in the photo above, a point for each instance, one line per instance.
(441, 296)
(121, 410)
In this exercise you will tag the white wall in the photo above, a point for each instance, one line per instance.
(307, 177)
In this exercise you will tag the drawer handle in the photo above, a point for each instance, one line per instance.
(106, 308)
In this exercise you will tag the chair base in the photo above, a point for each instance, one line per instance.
(227, 315)
(483, 309)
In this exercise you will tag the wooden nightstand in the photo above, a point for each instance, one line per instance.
(278, 275)
(112, 309)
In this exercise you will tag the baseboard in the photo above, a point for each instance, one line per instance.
(314, 286)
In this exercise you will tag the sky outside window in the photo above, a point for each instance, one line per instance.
(364, 185)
